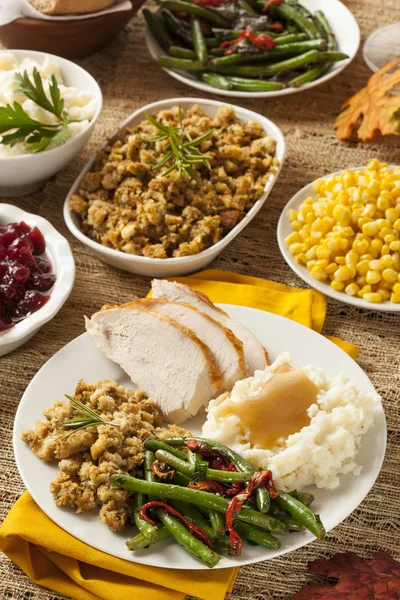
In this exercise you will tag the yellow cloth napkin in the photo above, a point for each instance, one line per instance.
(53, 558)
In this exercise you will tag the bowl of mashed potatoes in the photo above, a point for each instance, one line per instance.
(23, 170)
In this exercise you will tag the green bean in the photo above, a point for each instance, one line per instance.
(159, 32)
(175, 27)
(262, 496)
(154, 445)
(210, 474)
(181, 479)
(181, 52)
(140, 541)
(307, 77)
(217, 521)
(290, 38)
(225, 61)
(296, 16)
(331, 56)
(199, 42)
(301, 513)
(291, 524)
(254, 85)
(244, 5)
(274, 68)
(304, 497)
(191, 544)
(200, 466)
(216, 80)
(197, 497)
(194, 9)
(180, 63)
(148, 530)
(149, 458)
(293, 49)
(257, 536)
(326, 28)
(220, 540)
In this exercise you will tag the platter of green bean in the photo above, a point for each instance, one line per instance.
(203, 496)
(252, 48)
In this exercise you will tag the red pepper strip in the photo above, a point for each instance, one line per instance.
(194, 530)
(235, 489)
(271, 488)
(157, 470)
(278, 27)
(208, 486)
(268, 4)
(236, 504)
(262, 40)
(216, 459)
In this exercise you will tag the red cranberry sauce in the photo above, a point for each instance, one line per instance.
(24, 274)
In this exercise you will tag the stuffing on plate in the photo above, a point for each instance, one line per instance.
(87, 458)
(126, 204)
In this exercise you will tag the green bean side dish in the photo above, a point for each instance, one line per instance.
(207, 498)
(244, 45)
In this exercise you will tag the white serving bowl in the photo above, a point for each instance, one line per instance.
(170, 267)
(285, 229)
(344, 26)
(59, 254)
(20, 175)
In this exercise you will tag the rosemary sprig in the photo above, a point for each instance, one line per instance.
(25, 129)
(85, 417)
(182, 150)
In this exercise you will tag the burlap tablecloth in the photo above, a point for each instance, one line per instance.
(129, 79)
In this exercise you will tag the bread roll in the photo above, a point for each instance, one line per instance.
(65, 7)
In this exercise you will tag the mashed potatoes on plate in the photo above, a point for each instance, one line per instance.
(317, 453)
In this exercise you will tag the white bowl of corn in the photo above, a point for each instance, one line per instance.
(341, 235)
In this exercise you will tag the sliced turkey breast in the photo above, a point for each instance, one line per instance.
(255, 355)
(162, 357)
(225, 346)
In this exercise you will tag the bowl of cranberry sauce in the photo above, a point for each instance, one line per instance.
(36, 275)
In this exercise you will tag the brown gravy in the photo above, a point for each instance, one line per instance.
(278, 410)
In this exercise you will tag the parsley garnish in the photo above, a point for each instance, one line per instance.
(38, 135)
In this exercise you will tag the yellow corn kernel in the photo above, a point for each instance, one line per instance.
(376, 244)
(301, 258)
(309, 201)
(340, 260)
(311, 253)
(293, 238)
(382, 223)
(297, 248)
(396, 288)
(396, 261)
(373, 165)
(310, 218)
(291, 214)
(369, 210)
(396, 225)
(374, 253)
(361, 281)
(323, 252)
(333, 244)
(319, 273)
(392, 214)
(394, 246)
(322, 263)
(385, 294)
(360, 246)
(389, 238)
(376, 265)
(366, 289)
(366, 257)
(352, 289)
(370, 228)
(383, 202)
(296, 225)
(362, 267)
(338, 286)
(310, 264)
(343, 274)
(373, 277)
(395, 298)
(352, 258)
(331, 268)
(384, 231)
(342, 214)
(305, 209)
(374, 297)
(385, 249)
(389, 275)
(387, 261)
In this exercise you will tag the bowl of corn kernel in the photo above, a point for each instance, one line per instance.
(341, 235)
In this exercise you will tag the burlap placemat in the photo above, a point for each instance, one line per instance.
(129, 79)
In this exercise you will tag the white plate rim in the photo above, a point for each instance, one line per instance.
(302, 271)
(155, 51)
(306, 537)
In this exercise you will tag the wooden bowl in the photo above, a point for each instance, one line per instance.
(69, 39)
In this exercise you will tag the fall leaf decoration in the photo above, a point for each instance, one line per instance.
(376, 579)
(374, 106)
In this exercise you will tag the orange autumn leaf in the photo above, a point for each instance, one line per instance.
(376, 109)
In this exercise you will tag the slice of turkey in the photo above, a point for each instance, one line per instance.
(162, 357)
(255, 355)
(225, 346)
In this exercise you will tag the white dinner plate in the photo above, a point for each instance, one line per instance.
(284, 229)
(344, 26)
(81, 359)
